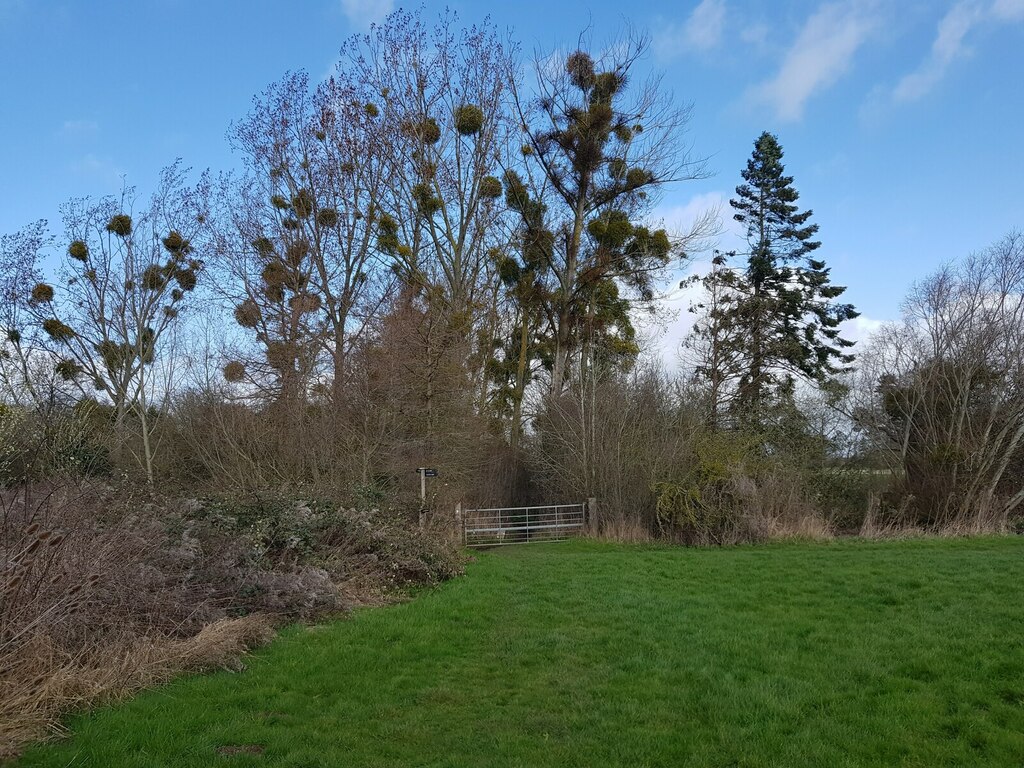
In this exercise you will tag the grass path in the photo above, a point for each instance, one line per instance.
(586, 654)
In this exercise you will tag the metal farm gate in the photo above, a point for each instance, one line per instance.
(497, 526)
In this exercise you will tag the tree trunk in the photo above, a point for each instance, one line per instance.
(568, 283)
(520, 389)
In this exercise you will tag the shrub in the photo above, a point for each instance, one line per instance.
(377, 548)
(296, 252)
(426, 130)
(234, 371)
(738, 509)
(580, 67)
(426, 202)
(305, 302)
(57, 330)
(844, 494)
(275, 273)
(694, 514)
(152, 278)
(175, 243)
(637, 177)
(264, 247)
(327, 218)
(10, 422)
(105, 594)
(303, 204)
(68, 370)
(186, 279)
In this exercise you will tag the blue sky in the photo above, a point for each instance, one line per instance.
(901, 119)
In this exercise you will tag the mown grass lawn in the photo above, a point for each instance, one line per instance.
(584, 654)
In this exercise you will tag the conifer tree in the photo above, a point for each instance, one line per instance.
(781, 300)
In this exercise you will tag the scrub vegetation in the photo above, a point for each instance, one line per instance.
(214, 400)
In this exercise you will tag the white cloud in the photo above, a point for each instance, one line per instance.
(701, 31)
(330, 70)
(820, 55)
(363, 13)
(705, 25)
(950, 43)
(700, 225)
(553, 65)
(947, 47)
(1008, 10)
(665, 332)
(682, 218)
(860, 329)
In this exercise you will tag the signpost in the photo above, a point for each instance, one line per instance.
(424, 473)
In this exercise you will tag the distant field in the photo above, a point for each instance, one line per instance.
(584, 654)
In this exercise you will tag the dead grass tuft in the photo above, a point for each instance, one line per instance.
(40, 681)
(627, 530)
(900, 522)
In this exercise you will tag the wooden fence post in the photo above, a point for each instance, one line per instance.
(460, 530)
(592, 515)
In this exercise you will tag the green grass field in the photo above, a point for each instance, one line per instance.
(584, 654)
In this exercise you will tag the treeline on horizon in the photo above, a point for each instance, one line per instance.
(439, 257)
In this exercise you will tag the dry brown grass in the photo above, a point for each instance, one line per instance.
(627, 530)
(102, 594)
(902, 523)
(83, 616)
(776, 508)
(40, 682)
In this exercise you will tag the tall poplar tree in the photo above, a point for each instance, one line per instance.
(781, 299)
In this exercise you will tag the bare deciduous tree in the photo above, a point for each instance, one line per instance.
(25, 366)
(943, 391)
(299, 245)
(442, 92)
(124, 282)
